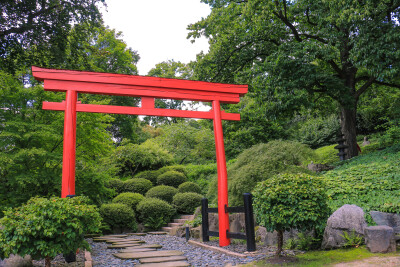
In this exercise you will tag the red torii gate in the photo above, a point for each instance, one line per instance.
(148, 88)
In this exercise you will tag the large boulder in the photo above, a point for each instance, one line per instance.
(380, 239)
(388, 219)
(347, 218)
(17, 261)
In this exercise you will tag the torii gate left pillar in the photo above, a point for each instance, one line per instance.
(148, 88)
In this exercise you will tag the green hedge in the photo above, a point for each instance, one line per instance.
(163, 192)
(149, 175)
(128, 198)
(118, 215)
(186, 203)
(137, 185)
(154, 212)
(189, 187)
(171, 178)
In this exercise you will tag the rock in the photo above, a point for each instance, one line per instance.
(260, 233)
(18, 261)
(366, 142)
(389, 219)
(380, 239)
(140, 228)
(271, 238)
(237, 223)
(318, 167)
(346, 218)
(195, 232)
(213, 222)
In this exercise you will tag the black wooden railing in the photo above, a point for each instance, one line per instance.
(247, 209)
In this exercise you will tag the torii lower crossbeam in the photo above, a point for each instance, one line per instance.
(148, 88)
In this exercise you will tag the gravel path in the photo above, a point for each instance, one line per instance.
(196, 256)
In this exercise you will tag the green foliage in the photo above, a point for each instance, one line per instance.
(196, 222)
(137, 185)
(152, 210)
(201, 174)
(163, 192)
(116, 184)
(260, 163)
(149, 175)
(291, 201)
(352, 239)
(171, 178)
(177, 168)
(188, 141)
(371, 182)
(319, 131)
(118, 215)
(189, 187)
(133, 158)
(44, 228)
(130, 199)
(186, 203)
(326, 155)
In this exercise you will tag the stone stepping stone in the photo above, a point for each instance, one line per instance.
(112, 236)
(156, 246)
(137, 234)
(114, 240)
(166, 264)
(126, 245)
(157, 233)
(126, 241)
(139, 249)
(163, 259)
(152, 254)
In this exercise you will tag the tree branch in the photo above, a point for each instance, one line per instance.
(387, 84)
(364, 87)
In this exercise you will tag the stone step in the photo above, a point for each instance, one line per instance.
(158, 233)
(151, 254)
(141, 246)
(187, 217)
(163, 259)
(174, 224)
(137, 234)
(166, 264)
(125, 245)
(137, 249)
(180, 220)
(166, 229)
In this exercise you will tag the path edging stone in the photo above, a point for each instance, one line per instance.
(215, 249)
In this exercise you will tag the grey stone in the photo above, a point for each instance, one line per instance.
(260, 233)
(366, 142)
(347, 218)
(271, 238)
(389, 219)
(318, 167)
(18, 261)
(380, 239)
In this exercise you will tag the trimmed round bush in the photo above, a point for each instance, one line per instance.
(137, 185)
(154, 212)
(149, 175)
(130, 199)
(116, 184)
(163, 192)
(177, 168)
(171, 178)
(187, 202)
(189, 187)
(118, 215)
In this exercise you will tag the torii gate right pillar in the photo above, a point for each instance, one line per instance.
(223, 216)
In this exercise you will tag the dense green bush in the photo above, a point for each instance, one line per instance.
(186, 203)
(154, 212)
(44, 228)
(116, 184)
(171, 178)
(177, 168)
(326, 155)
(163, 192)
(189, 187)
(149, 175)
(259, 163)
(118, 215)
(371, 181)
(291, 201)
(128, 198)
(137, 185)
(201, 174)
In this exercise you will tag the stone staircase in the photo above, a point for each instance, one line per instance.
(177, 223)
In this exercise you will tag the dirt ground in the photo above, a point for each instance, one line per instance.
(372, 262)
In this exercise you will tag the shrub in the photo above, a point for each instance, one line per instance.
(44, 227)
(189, 187)
(128, 198)
(116, 184)
(187, 202)
(149, 175)
(118, 215)
(291, 201)
(163, 192)
(154, 212)
(259, 163)
(138, 185)
(177, 168)
(171, 178)
(326, 155)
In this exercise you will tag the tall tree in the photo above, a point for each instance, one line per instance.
(31, 28)
(328, 48)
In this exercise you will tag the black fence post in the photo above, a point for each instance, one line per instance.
(249, 222)
(204, 219)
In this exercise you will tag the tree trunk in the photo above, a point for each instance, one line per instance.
(47, 262)
(348, 127)
(280, 243)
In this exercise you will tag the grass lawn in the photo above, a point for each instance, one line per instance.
(328, 258)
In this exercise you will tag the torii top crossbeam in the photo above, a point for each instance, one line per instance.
(148, 88)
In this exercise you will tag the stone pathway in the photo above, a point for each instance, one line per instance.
(147, 254)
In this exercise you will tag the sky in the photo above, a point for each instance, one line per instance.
(156, 29)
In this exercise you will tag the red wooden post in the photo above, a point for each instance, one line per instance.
(68, 171)
(223, 217)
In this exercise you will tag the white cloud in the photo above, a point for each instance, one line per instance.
(157, 28)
